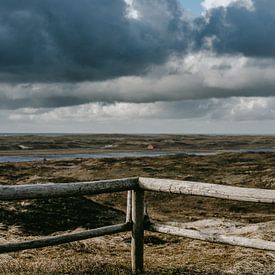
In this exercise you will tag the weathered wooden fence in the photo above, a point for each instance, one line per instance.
(135, 215)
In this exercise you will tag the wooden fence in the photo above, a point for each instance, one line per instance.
(135, 215)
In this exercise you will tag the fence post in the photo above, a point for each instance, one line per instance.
(129, 207)
(137, 231)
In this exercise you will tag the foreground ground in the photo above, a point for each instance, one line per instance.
(163, 254)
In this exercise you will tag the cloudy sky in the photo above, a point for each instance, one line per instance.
(137, 66)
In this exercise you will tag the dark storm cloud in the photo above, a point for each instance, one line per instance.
(68, 40)
(41, 101)
(97, 52)
(237, 29)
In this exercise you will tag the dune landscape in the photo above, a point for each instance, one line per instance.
(164, 254)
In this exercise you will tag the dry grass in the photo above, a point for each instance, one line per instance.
(111, 254)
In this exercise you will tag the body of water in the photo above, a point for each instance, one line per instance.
(24, 158)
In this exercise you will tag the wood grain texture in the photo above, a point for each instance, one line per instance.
(137, 244)
(66, 238)
(129, 207)
(208, 190)
(50, 190)
(213, 238)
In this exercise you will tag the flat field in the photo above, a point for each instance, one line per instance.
(164, 254)
(12, 144)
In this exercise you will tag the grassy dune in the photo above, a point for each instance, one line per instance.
(111, 254)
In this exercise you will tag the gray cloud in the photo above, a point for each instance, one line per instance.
(239, 29)
(67, 53)
(197, 76)
(68, 40)
(230, 109)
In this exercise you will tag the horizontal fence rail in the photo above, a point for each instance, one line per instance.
(208, 190)
(53, 190)
(213, 238)
(66, 238)
(135, 220)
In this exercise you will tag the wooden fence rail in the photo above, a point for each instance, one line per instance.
(135, 221)
(65, 238)
(213, 238)
(208, 190)
(53, 190)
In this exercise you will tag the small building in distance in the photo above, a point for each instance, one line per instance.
(23, 147)
(152, 146)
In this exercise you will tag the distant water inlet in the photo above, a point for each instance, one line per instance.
(40, 157)
(26, 158)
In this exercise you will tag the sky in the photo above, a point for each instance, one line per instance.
(137, 66)
(194, 6)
